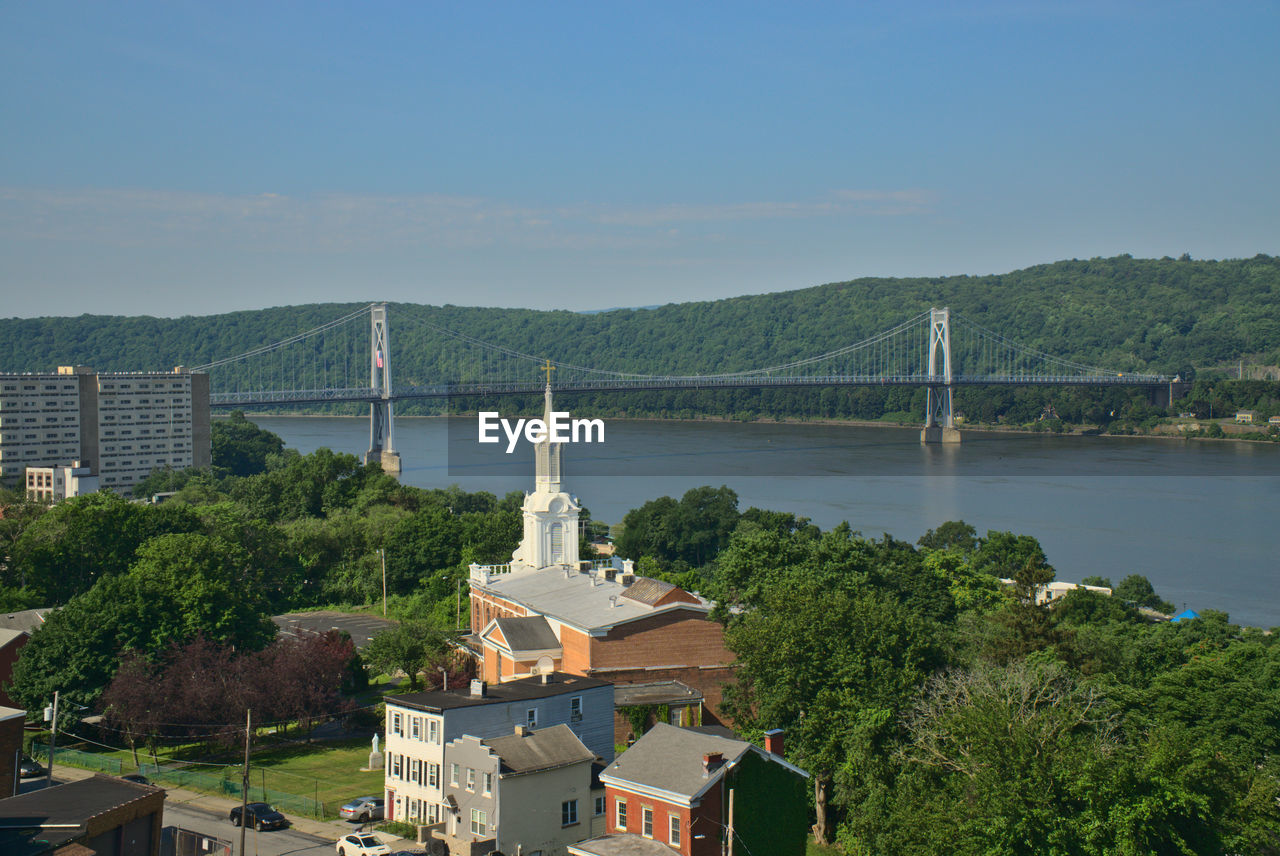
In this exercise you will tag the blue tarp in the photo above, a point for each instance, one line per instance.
(1186, 613)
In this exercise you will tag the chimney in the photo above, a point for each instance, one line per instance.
(773, 741)
(626, 579)
(546, 678)
(711, 761)
(479, 689)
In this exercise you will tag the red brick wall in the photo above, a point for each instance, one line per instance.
(10, 747)
(704, 819)
(709, 682)
(575, 646)
(678, 638)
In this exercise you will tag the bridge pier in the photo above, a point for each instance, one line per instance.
(938, 424)
(381, 418)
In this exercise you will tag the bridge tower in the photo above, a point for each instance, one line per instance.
(938, 424)
(381, 425)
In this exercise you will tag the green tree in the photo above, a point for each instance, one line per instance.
(241, 447)
(409, 647)
(1138, 590)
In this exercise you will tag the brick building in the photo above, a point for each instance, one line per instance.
(673, 787)
(547, 610)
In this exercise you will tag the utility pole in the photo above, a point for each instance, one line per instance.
(51, 714)
(383, 554)
(244, 789)
(729, 835)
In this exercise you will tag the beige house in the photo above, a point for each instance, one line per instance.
(529, 792)
(1246, 417)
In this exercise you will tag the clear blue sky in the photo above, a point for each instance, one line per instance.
(189, 158)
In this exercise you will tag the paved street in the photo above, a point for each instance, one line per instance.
(209, 815)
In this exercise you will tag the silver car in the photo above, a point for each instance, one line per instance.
(362, 808)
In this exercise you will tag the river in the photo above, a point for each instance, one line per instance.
(1199, 519)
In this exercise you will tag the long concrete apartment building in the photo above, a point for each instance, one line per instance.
(118, 426)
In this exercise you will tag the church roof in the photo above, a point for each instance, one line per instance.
(587, 601)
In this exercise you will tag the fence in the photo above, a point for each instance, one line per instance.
(227, 782)
(76, 758)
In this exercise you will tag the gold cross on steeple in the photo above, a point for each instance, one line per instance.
(548, 368)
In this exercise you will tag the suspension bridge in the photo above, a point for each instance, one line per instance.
(349, 359)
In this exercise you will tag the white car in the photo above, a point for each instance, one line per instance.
(361, 844)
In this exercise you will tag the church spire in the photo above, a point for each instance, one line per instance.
(547, 454)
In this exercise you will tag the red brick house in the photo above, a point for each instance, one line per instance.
(670, 792)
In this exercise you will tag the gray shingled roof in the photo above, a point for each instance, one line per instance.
(528, 634)
(541, 749)
(670, 759)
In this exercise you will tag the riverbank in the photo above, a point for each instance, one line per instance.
(1231, 432)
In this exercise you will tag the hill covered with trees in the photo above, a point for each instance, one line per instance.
(1129, 314)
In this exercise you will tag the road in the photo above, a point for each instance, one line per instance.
(277, 842)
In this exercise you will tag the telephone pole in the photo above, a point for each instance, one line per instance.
(244, 789)
(52, 715)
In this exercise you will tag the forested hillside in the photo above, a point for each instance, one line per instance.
(1128, 314)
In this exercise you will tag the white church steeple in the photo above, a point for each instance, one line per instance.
(550, 514)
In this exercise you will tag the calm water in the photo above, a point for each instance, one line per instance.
(1199, 519)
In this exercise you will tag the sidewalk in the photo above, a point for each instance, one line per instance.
(330, 830)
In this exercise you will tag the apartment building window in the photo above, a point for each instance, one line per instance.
(646, 822)
(416, 728)
(397, 767)
(397, 725)
(620, 820)
(433, 775)
(599, 806)
(453, 775)
(531, 717)
(673, 837)
(479, 822)
(488, 782)
(433, 731)
(471, 778)
(568, 812)
(575, 709)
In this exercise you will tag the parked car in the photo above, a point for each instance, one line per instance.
(259, 816)
(362, 808)
(30, 768)
(362, 844)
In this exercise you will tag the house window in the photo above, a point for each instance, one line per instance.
(531, 717)
(433, 775)
(397, 770)
(415, 728)
(646, 822)
(620, 822)
(488, 782)
(599, 806)
(674, 824)
(568, 812)
(433, 731)
(471, 778)
(479, 822)
(575, 709)
(397, 724)
(453, 775)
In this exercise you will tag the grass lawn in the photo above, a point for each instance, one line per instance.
(819, 850)
(327, 771)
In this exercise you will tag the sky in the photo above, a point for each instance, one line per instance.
(177, 158)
